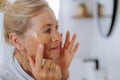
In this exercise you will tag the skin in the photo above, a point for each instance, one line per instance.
(44, 33)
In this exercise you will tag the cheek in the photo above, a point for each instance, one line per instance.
(32, 47)
(44, 39)
(35, 42)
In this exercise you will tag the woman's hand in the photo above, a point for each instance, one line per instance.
(48, 71)
(67, 53)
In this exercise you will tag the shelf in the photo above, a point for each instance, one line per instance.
(105, 16)
(82, 17)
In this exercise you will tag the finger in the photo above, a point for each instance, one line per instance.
(61, 44)
(47, 64)
(58, 70)
(67, 40)
(72, 42)
(39, 57)
(53, 66)
(32, 62)
(75, 48)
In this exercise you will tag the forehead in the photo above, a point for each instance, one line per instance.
(45, 17)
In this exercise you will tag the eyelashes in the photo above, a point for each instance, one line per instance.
(49, 30)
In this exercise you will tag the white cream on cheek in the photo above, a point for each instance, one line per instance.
(37, 40)
(35, 36)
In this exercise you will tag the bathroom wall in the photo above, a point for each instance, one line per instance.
(108, 49)
(1, 40)
(92, 43)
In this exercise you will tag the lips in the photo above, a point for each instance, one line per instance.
(55, 48)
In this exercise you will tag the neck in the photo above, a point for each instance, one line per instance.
(23, 61)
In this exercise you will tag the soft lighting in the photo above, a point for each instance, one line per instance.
(54, 4)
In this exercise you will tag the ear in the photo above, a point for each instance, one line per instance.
(16, 41)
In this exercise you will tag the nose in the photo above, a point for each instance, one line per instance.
(56, 36)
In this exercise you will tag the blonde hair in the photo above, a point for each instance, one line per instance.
(18, 14)
(3, 4)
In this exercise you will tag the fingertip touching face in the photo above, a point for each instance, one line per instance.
(43, 31)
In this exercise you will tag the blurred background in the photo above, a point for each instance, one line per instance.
(97, 25)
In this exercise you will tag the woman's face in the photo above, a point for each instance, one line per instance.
(43, 31)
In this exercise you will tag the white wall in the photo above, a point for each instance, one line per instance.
(1, 39)
(108, 49)
(92, 44)
(5, 50)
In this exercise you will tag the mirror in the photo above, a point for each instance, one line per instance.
(106, 16)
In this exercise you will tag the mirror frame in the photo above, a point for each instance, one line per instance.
(115, 4)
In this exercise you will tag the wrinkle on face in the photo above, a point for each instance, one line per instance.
(36, 35)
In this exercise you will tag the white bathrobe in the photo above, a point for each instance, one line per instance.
(11, 70)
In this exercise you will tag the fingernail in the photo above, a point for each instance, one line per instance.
(41, 46)
(43, 61)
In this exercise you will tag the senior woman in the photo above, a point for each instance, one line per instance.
(31, 27)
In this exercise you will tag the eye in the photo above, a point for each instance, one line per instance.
(48, 30)
(57, 27)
